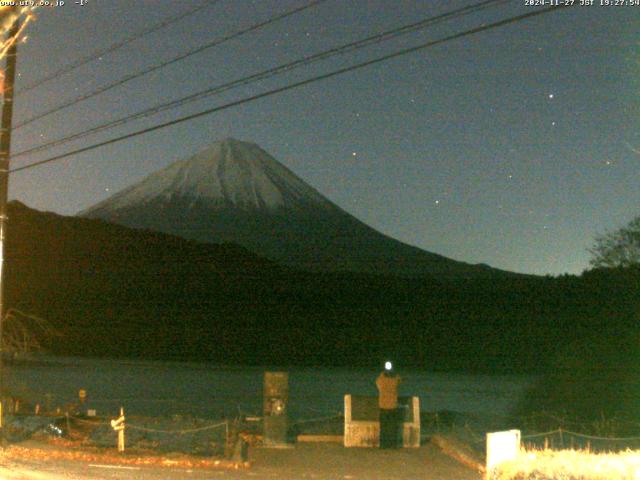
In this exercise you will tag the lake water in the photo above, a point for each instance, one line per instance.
(169, 388)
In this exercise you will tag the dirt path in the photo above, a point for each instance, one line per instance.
(304, 461)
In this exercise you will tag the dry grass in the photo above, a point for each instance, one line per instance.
(571, 465)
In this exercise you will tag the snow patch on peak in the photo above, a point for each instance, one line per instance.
(229, 173)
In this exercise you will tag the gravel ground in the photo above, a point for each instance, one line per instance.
(320, 461)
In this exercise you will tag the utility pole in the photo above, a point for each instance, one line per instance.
(5, 152)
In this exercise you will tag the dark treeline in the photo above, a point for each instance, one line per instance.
(112, 291)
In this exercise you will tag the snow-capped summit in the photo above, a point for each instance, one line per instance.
(236, 192)
(229, 173)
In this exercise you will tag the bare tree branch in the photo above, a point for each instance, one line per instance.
(23, 332)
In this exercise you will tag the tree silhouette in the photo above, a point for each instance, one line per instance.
(620, 248)
(23, 332)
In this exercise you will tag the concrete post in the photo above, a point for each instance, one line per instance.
(501, 447)
(275, 410)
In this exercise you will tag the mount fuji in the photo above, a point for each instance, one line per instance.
(235, 192)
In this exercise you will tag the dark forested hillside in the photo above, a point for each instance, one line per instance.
(111, 290)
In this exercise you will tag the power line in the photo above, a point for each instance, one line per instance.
(308, 81)
(115, 46)
(153, 68)
(271, 72)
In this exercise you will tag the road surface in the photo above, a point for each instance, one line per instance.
(304, 461)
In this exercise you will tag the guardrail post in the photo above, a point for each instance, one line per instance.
(118, 426)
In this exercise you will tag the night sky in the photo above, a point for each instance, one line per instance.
(512, 147)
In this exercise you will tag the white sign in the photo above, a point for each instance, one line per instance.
(502, 447)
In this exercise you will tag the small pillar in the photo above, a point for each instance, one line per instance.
(118, 425)
(275, 408)
(501, 447)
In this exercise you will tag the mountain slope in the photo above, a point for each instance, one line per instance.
(116, 291)
(236, 192)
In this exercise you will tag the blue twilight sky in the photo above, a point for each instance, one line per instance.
(512, 147)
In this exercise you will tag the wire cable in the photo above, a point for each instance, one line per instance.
(265, 74)
(177, 432)
(538, 435)
(115, 46)
(285, 88)
(593, 437)
(154, 430)
(153, 68)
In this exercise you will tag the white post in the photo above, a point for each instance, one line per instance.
(501, 447)
(118, 426)
(121, 432)
(346, 439)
